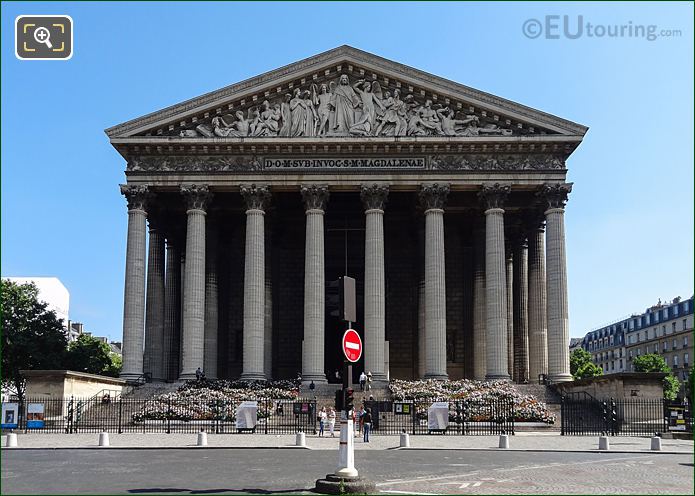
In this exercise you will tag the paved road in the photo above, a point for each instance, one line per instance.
(261, 471)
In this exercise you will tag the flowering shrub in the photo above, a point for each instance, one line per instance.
(473, 395)
(216, 399)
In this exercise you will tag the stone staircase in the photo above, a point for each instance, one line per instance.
(325, 394)
(150, 389)
(549, 396)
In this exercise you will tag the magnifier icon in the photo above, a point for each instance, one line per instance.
(43, 35)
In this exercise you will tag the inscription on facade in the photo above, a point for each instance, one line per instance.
(345, 163)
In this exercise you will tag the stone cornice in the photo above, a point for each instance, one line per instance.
(345, 55)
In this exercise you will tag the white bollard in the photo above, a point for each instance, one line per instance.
(405, 440)
(346, 451)
(603, 443)
(656, 443)
(103, 439)
(202, 439)
(504, 441)
(300, 440)
(11, 440)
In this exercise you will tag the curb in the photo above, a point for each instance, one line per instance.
(103, 448)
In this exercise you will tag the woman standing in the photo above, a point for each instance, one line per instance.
(323, 416)
(331, 422)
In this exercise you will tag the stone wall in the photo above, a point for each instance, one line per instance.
(624, 385)
(65, 383)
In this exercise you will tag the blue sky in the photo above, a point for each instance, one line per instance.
(629, 220)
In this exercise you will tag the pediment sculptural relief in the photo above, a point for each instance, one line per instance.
(342, 108)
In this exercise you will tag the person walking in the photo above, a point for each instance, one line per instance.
(331, 421)
(363, 380)
(323, 418)
(367, 424)
(369, 380)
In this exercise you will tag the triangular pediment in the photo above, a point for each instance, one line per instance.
(345, 92)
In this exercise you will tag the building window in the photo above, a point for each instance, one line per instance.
(675, 344)
(685, 360)
(673, 327)
(621, 364)
(685, 341)
(663, 329)
(612, 365)
(666, 360)
(675, 361)
(685, 324)
(665, 346)
(656, 348)
(639, 351)
(630, 355)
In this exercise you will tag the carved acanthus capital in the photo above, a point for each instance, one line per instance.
(433, 196)
(137, 196)
(197, 196)
(374, 196)
(315, 196)
(256, 197)
(493, 195)
(555, 195)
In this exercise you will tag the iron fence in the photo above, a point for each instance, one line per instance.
(584, 415)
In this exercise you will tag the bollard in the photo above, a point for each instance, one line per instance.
(103, 439)
(405, 440)
(11, 440)
(504, 441)
(202, 439)
(656, 443)
(603, 443)
(301, 441)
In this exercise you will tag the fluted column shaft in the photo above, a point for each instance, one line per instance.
(172, 307)
(134, 297)
(421, 341)
(268, 323)
(154, 316)
(254, 282)
(510, 314)
(373, 199)
(193, 335)
(521, 360)
(479, 317)
(211, 303)
(558, 318)
(315, 199)
(537, 326)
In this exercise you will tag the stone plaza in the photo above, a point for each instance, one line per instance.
(445, 203)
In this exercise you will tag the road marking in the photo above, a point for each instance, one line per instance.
(406, 492)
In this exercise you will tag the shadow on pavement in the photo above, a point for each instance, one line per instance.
(155, 490)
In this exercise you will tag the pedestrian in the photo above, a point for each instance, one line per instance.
(363, 380)
(331, 421)
(198, 373)
(367, 423)
(369, 380)
(337, 376)
(312, 386)
(323, 417)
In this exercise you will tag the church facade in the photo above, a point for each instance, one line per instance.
(445, 203)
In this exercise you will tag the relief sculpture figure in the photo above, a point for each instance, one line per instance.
(369, 103)
(344, 102)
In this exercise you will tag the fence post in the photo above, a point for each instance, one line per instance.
(413, 415)
(168, 415)
(120, 415)
(614, 418)
(563, 415)
(267, 415)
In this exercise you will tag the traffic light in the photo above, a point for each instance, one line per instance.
(339, 400)
(349, 400)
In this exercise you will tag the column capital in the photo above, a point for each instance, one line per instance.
(197, 196)
(493, 195)
(433, 195)
(256, 197)
(374, 196)
(137, 196)
(555, 195)
(314, 196)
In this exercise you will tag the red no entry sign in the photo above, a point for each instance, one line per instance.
(352, 345)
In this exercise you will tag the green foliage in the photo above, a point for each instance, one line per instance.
(690, 385)
(90, 355)
(582, 366)
(32, 336)
(650, 363)
(656, 363)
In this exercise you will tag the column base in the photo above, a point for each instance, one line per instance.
(498, 377)
(437, 377)
(252, 376)
(560, 378)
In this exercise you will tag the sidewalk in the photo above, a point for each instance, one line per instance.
(519, 442)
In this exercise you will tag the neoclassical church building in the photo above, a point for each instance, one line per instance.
(445, 203)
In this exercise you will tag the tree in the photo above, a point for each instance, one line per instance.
(656, 363)
(581, 365)
(88, 354)
(32, 336)
(690, 386)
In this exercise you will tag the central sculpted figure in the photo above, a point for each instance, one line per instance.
(344, 102)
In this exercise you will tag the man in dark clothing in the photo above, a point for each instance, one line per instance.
(198, 373)
(367, 424)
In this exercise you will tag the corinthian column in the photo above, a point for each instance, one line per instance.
(154, 316)
(211, 302)
(479, 356)
(432, 199)
(134, 297)
(193, 336)
(509, 262)
(537, 317)
(555, 196)
(256, 198)
(520, 299)
(493, 196)
(172, 314)
(373, 198)
(315, 198)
